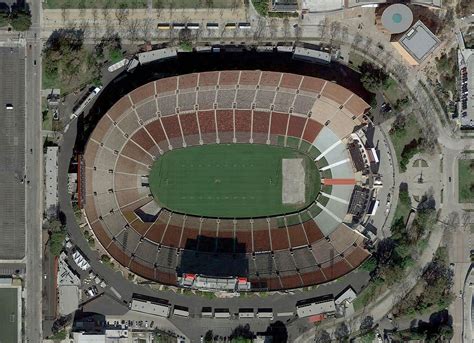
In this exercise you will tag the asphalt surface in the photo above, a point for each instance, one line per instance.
(34, 171)
(12, 158)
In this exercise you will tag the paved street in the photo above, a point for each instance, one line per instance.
(34, 172)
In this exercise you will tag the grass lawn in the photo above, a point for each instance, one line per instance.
(466, 181)
(228, 180)
(403, 207)
(8, 315)
(47, 118)
(400, 138)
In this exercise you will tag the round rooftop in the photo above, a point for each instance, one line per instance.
(397, 18)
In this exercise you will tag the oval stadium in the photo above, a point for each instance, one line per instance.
(233, 180)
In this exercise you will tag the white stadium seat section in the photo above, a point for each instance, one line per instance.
(326, 140)
(342, 171)
(327, 222)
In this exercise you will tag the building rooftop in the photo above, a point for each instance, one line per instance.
(397, 18)
(51, 180)
(419, 42)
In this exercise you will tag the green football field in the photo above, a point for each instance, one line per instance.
(227, 180)
(8, 315)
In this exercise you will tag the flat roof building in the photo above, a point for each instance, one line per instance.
(315, 306)
(149, 306)
(416, 44)
(51, 181)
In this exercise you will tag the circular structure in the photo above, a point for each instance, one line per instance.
(397, 18)
(228, 137)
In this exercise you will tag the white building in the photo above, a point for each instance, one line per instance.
(51, 181)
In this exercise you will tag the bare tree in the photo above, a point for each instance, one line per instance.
(133, 27)
(261, 25)
(323, 27)
(273, 28)
(146, 28)
(335, 28)
(344, 33)
(121, 14)
(286, 28)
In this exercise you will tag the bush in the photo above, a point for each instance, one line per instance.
(56, 241)
(105, 258)
(20, 20)
(261, 6)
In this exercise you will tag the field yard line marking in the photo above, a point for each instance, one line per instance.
(151, 137)
(251, 126)
(302, 132)
(325, 152)
(181, 130)
(304, 231)
(215, 124)
(182, 230)
(269, 125)
(234, 234)
(151, 156)
(133, 160)
(233, 124)
(199, 233)
(349, 98)
(324, 86)
(130, 203)
(270, 234)
(166, 135)
(325, 209)
(286, 131)
(251, 231)
(330, 196)
(156, 102)
(166, 228)
(199, 127)
(335, 164)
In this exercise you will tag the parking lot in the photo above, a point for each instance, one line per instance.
(12, 153)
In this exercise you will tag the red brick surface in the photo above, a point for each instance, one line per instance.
(312, 231)
(296, 126)
(290, 81)
(168, 84)
(187, 81)
(297, 236)
(312, 130)
(156, 131)
(261, 120)
(171, 126)
(278, 123)
(249, 77)
(225, 120)
(279, 239)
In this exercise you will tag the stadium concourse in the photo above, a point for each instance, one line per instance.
(311, 115)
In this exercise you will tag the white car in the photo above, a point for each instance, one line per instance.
(9, 106)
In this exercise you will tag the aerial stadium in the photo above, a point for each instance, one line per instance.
(230, 180)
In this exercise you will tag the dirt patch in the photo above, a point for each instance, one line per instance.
(293, 185)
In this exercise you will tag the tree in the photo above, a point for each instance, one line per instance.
(20, 20)
(322, 336)
(121, 14)
(209, 336)
(342, 331)
(56, 241)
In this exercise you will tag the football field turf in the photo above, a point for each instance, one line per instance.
(227, 180)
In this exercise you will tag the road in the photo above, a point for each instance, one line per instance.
(34, 172)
